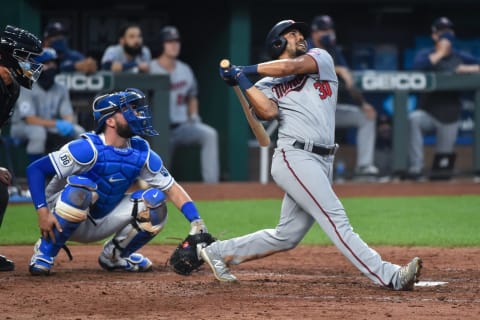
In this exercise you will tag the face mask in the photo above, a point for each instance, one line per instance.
(447, 35)
(328, 40)
(47, 78)
(60, 45)
(132, 51)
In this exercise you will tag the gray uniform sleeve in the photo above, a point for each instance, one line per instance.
(66, 108)
(326, 67)
(109, 55)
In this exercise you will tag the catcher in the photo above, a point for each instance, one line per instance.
(87, 199)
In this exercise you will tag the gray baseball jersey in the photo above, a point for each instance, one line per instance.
(307, 114)
(182, 85)
(115, 53)
(51, 104)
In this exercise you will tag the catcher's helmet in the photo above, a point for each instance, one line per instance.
(275, 43)
(18, 48)
(132, 104)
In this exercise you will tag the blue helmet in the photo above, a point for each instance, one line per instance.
(48, 54)
(132, 103)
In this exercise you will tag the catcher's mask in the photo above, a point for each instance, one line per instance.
(132, 103)
(18, 48)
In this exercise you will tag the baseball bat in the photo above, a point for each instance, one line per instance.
(257, 128)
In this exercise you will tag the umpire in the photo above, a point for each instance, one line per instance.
(18, 47)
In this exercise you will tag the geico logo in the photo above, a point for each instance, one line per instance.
(81, 82)
(394, 81)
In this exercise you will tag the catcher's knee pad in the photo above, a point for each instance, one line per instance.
(149, 210)
(149, 215)
(76, 198)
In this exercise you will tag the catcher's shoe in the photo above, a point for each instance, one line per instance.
(6, 265)
(133, 263)
(40, 264)
(218, 266)
(408, 275)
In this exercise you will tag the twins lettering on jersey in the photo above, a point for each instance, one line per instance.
(297, 83)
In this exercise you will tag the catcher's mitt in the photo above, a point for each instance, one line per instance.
(184, 258)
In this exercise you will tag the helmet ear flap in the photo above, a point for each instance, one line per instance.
(277, 46)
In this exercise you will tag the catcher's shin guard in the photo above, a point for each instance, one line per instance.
(70, 210)
(148, 218)
(45, 251)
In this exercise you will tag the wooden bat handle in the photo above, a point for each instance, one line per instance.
(225, 63)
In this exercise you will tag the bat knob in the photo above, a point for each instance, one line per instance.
(225, 63)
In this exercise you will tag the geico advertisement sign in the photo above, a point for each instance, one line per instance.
(82, 82)
(394, 81)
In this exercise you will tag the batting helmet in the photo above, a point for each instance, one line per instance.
(275, 43)
(133, 105)
(18, 48)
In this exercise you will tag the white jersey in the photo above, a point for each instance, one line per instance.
(182, 86)
(306, 103)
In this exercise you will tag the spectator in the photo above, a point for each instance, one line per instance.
(437, 110)
(186, 127)
(44, 115)
(55, 36)
(352, 108)
(129, 55)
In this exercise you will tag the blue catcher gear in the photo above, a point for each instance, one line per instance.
(133, 105)
(70, 210)
(149, 215)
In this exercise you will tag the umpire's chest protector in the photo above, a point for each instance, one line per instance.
(114, 171)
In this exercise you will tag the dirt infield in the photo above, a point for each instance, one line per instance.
(314, 282)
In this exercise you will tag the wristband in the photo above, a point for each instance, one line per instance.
(190, 211)
(243, 82)
(253, 69)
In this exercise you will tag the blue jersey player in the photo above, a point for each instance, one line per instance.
(87, 199)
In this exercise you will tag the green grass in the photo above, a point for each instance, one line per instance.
(446, 221)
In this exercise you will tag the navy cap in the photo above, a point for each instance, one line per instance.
(54, 28)
(441, 23)
(169, 33)
(322, 23)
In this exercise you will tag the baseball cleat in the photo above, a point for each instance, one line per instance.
(218, 266)
(408, 275)
(6, 264)
(40, 263)
(133, 263)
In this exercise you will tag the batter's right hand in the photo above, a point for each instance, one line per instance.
(229, 75)
(47, 222)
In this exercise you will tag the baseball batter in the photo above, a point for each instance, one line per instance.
(86, 199)
(300, 89)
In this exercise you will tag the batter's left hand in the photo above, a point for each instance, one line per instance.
(5, 176)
